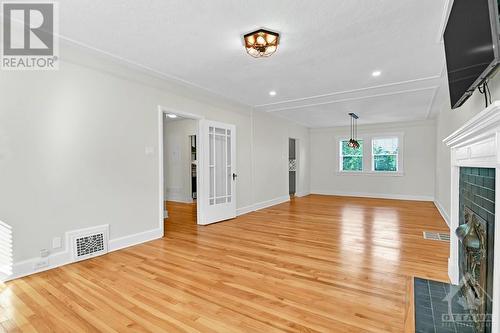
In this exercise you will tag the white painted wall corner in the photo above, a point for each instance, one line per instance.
(442, 211)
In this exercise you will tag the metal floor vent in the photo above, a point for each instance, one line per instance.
(438, 236)
(89, 243)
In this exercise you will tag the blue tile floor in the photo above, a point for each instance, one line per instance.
(434, 302)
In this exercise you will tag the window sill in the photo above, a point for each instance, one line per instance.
(371, 173)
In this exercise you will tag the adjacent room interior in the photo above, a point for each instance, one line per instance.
(250, 166)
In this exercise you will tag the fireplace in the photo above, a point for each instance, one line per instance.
(474, 263)
(476, 269)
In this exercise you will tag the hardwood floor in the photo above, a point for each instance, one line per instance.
(316, 264)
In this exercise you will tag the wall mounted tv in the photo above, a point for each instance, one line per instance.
(471, 42)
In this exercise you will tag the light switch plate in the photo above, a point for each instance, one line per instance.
(56, 242)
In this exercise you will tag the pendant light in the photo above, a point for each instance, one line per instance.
(353, 142)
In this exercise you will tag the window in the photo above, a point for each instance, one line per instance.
(351, 159)
(385, 154)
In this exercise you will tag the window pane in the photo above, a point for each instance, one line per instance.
(385, 154)
(352, 163)
(385, 146)
(346, 150)
(220, 165)
(385, 162)
(352, 158)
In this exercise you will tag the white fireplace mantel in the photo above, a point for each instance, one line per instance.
(476, 144)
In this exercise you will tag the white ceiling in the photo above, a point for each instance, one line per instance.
(321, 71)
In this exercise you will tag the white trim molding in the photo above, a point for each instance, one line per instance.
(442, 211)
(377, 195)
(58, 259)
(262, 205)
(476, 144)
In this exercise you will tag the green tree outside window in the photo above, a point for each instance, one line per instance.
(352, 158)
(385, 154)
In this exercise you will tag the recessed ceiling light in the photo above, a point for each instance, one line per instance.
(272, 93)
(376, 73)
(171, 115)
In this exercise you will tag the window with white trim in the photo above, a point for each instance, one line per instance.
(351, 159)
(385, 154)
(378, 154)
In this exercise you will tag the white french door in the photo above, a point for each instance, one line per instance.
(217, 200)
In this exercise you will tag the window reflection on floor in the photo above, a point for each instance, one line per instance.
(386, 242)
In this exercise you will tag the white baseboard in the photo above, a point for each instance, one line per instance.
(262, 205)
(442, 211)
(244, 210)
(377, 195)
(131, 240)
(178, 198)
(26, 267)
(302, 194)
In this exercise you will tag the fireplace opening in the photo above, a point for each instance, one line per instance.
(476, 235)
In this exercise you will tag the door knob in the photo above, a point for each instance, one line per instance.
(234, 176)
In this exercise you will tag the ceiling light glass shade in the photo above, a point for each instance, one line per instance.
(261, 43)
(353, 144)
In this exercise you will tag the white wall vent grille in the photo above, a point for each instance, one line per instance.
(438, 236)
(89, 243)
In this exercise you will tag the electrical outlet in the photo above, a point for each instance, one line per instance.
(44, 253)
(42, 263)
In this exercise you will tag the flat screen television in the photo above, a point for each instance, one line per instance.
(471, 40)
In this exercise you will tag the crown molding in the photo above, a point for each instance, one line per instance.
(408, 86)
(82, 54)
(369, 128)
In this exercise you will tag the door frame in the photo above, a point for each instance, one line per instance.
(297, 156)
(162, 111)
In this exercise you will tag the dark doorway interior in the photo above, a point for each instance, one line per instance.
(292, 166)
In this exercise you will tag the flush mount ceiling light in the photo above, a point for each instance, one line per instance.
(261, 43)
(171, 115)
(376, 73)
(272, 93)
(353, 143)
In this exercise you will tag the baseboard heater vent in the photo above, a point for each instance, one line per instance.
(89, 243)
(438, 236)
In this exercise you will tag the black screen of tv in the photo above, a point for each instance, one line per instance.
(469, 47)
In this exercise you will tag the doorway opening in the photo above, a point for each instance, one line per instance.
(179, 174)
(197, 167)
(292, 167)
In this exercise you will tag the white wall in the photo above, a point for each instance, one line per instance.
(270, 137)
(73, 148)
(177, 158)
(449, 121)
(417, 182)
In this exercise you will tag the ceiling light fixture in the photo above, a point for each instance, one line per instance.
(353, 143)
(171, 115)
(376, 73)
(261, 43)
(272, 93)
